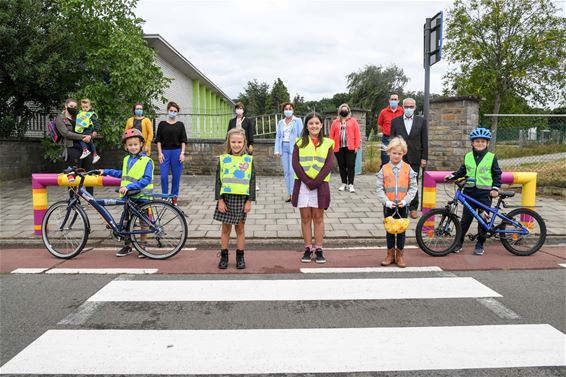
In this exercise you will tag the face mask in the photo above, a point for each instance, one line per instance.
(239, 111)
(72, 111)
(409, 112)
(343, 113)
(138, 112)
(172, 114)
(288, 113)
(393, 104)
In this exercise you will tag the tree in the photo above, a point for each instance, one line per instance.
(256, 97)
(418, 97)
(506, 49)
(279, 94)
(370, 88)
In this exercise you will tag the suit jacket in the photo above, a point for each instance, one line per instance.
(417, 140)
(247, 126)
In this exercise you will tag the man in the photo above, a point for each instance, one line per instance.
(414, 130)
(384, 123)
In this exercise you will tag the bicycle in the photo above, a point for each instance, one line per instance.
(521, 231)
(156, 228)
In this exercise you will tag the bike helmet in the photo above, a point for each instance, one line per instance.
(395, 226)
(480, 133)
(132, 132)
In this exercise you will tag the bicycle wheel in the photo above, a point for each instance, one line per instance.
(438, 232)
(171, 233)
(65, 230)
(523, 244)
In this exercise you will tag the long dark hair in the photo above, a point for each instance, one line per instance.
(305, 135)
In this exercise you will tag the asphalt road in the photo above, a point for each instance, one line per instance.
(34, 304)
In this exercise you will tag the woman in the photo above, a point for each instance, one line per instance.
(288, 130)
(171, 141)
(345, 131)
(143, 124)
(72, 150)
(240, 121)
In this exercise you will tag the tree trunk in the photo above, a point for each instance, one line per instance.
(496, 107)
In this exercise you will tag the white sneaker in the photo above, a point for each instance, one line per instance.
(95, 159)
(85, 154)
(342, 188)
(351, 188)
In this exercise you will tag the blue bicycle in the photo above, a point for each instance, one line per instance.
(521, 231)
(156, 228)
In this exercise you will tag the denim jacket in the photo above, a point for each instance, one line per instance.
(296, 130)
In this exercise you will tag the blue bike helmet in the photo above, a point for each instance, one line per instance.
(480, 133)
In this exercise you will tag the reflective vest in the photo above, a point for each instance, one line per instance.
(396, 186)
(136, 173)
(312, 159)
(481, 173)
(235, 174)
(83, 121)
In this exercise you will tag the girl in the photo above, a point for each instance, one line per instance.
(312, 162)
(345, 131)
(234, 191)
(143, 124)
(396, 187)
(288, 130)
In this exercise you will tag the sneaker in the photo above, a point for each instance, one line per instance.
(95, 159)
(141, 256)
(319, 257)
(343, 187)
(478, 250)
(85, 154)
(257, 188)
(307, 256)
(351, 188)
(174, 201)
(126, 250)
(457, 249)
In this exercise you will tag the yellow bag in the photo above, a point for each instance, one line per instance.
(395, 226)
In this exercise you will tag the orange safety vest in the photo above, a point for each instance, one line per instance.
(396, 187)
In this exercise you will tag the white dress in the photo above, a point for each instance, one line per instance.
(307, 198)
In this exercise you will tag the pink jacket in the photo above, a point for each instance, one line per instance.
(352, 134)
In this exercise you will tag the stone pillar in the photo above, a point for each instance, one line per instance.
(451, 119)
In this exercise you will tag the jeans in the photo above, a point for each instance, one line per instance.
(287, 163)
(90, 146)
(171, 162)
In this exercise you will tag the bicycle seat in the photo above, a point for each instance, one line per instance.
(506, 194)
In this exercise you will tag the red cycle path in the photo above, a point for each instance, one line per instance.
(272, 261)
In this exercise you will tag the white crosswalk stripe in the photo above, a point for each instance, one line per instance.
(281, 350)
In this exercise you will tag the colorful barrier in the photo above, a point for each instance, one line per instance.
(40, 182)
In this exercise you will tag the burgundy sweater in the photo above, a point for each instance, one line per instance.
(316, 183)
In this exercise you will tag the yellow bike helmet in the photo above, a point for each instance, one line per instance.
(395, 226)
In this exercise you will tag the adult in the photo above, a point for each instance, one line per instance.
(240, 121)
(384, 119)
(143, 124)
(345, 131)
(414, 130)
(288, 130)
(171, 141)
(72, 150)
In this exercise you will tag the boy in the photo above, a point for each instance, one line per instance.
(136, 174)
(87, 124)
(482, 166)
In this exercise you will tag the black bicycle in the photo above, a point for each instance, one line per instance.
(157, 229)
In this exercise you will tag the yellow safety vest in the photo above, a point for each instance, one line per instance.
(136, 173)
(235, 174)
(481, 172)
(312, 159)
(83, 121)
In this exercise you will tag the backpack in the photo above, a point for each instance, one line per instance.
(53, 133)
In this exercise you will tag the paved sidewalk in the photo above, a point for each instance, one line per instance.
(350, 216)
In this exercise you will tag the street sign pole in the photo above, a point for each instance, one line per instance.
(426, 59)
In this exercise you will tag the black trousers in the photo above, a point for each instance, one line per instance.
(347, 164)
(74, 160)
(395, 238)
(414, 205)
(467, 216)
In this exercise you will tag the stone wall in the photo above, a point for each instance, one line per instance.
(449, 124)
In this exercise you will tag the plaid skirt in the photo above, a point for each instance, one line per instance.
(235, 212)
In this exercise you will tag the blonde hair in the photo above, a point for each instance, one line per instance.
(396, 142)
(236, 131)
(86, 101)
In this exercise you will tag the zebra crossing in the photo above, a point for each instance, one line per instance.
(163, 349)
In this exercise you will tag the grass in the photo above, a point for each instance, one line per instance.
(372, 157)
(509, 151)
(550, 173)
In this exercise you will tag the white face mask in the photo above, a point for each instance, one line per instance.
(239, 111)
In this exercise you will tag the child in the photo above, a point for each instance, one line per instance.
(87, 124)
(312, 163)
(482, 166)
(136, 174)
(396, 187)
(234, 191)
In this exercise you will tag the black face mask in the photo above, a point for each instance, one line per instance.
(72, 111)
(343, 114)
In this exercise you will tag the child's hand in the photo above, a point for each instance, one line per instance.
(402, 203)
(86, 139)
(494, 193)
(247, 206)
(222, 206)
(390, 204)
(449, 177)
(123, 190)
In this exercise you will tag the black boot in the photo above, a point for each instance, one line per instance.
(223, 264)
(240, 262)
